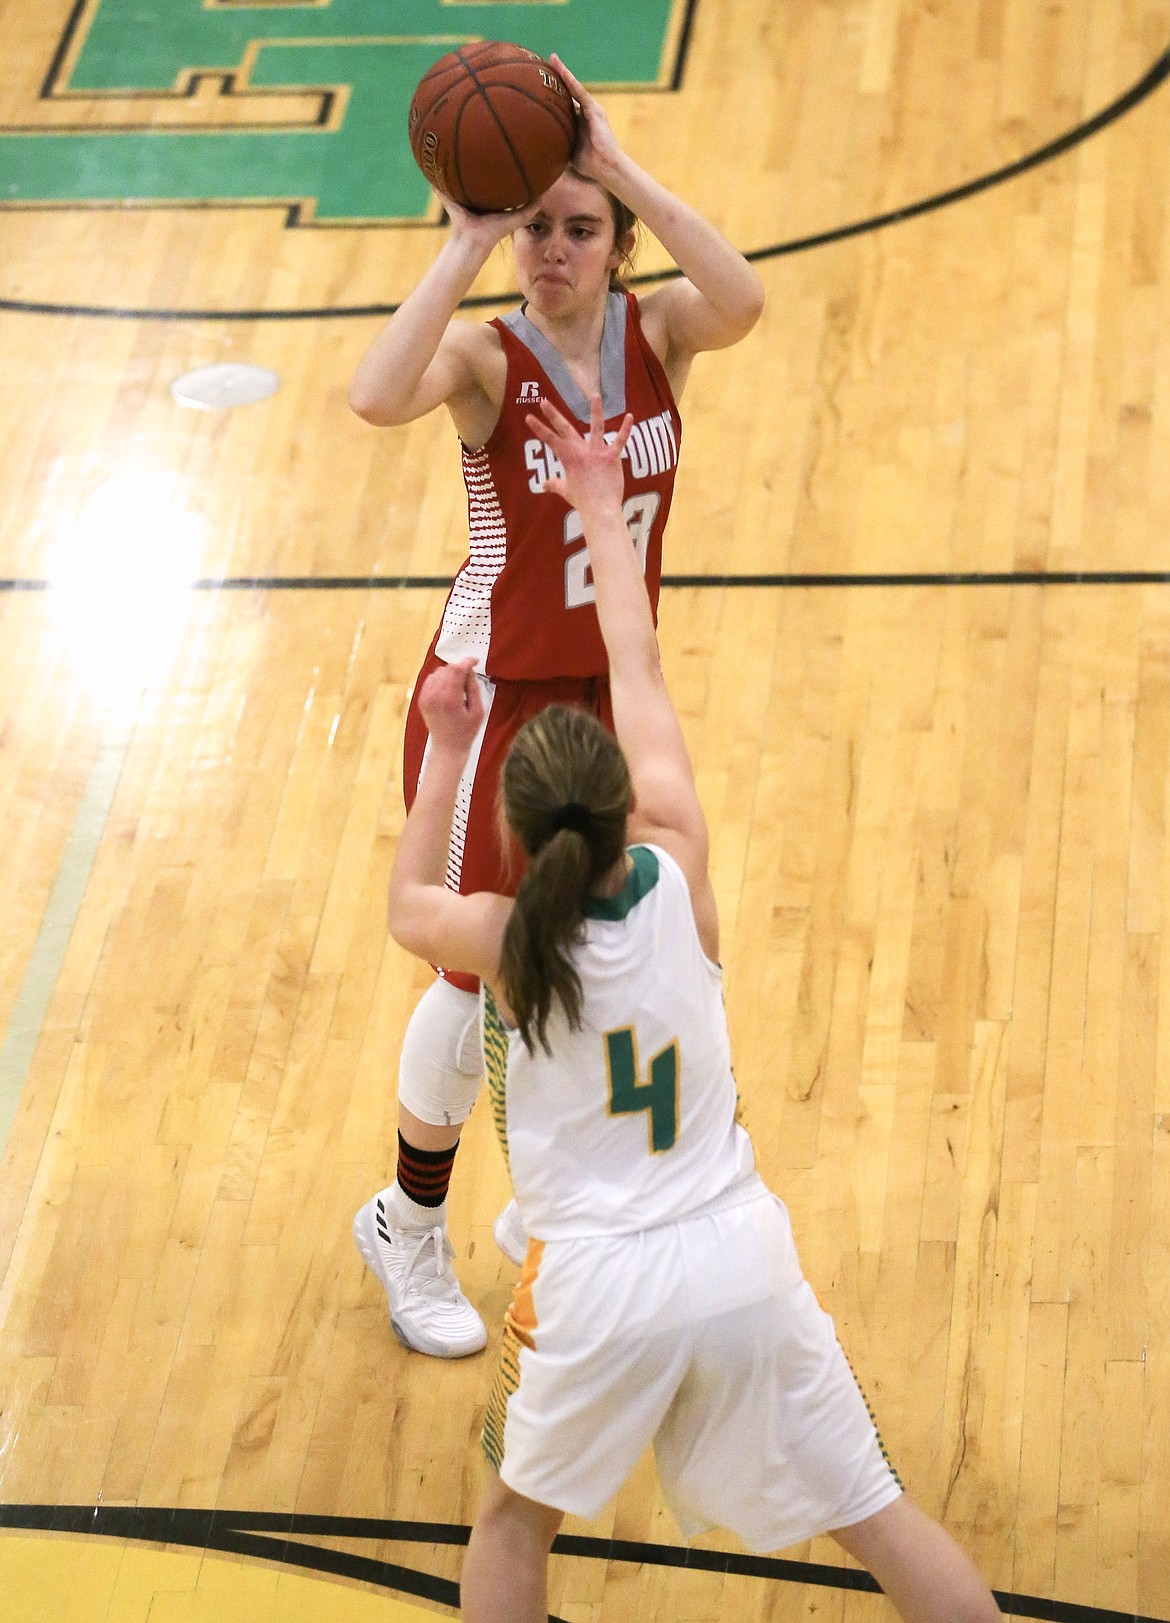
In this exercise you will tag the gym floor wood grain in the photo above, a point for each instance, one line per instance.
(938, 810)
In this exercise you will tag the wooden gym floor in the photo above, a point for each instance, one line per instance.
(922, 647)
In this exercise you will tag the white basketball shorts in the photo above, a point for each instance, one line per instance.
(704, 1337)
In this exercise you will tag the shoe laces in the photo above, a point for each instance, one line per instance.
(428, 1263)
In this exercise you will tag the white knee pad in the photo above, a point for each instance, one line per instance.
(442, 1056)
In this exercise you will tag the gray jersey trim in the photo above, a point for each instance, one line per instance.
(613, 360)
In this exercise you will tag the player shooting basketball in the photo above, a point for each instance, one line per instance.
(522, 608)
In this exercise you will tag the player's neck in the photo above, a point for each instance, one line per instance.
(576, 337)
(613, 882)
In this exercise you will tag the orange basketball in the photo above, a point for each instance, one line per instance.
(492, 126)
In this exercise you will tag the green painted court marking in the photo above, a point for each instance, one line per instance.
(351, 160)
(52, 943)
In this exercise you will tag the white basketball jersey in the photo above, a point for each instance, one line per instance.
(632, 1121)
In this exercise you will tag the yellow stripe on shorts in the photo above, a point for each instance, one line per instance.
(873, 1418)
(495, 1054)
(519, 1331)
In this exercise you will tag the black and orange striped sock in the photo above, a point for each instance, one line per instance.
(423, 1175)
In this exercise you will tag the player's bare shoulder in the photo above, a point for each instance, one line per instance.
(655, 313)
(483, 368)
(653, 316)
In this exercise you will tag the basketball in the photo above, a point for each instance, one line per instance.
(492, 126)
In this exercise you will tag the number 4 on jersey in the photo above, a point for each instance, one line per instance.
(628, 1096)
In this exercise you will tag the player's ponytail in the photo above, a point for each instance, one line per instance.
(565, 794)
(625, 236)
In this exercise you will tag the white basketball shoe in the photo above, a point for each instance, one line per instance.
(428, 1311)
(510, 1234)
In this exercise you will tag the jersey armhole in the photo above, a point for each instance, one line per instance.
(491, 443)
(656, 367)
(672, 867)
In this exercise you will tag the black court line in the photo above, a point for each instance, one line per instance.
(275, 1537)
(790, 582)
(1151, 80)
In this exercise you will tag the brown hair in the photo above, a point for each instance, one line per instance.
(565, 794)
(625, 223)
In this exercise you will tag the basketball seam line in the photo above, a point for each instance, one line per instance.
(553, 112)
(482, 91)
(440, 91)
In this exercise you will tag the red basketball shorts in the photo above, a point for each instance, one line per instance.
(477, 860)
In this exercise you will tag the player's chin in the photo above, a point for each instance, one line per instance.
(552, 294)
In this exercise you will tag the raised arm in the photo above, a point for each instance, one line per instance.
(721, 296)
(666, 803)
(422, 358)
(459, 932)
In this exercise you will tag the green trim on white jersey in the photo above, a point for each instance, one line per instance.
(640, 881)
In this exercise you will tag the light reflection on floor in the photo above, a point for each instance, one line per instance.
(121, 585)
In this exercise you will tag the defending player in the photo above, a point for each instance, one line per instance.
(661, 1297)
(522, 608)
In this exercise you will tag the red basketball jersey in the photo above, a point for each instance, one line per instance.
(523, 605)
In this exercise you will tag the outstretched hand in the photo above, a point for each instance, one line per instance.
(592, 466)
(452, 705)
(597, 153)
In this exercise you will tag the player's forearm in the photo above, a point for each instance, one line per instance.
(421, 859)
(623, 607)
(645, 720)
(642, 712)
(712, 264)
(389, 373)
